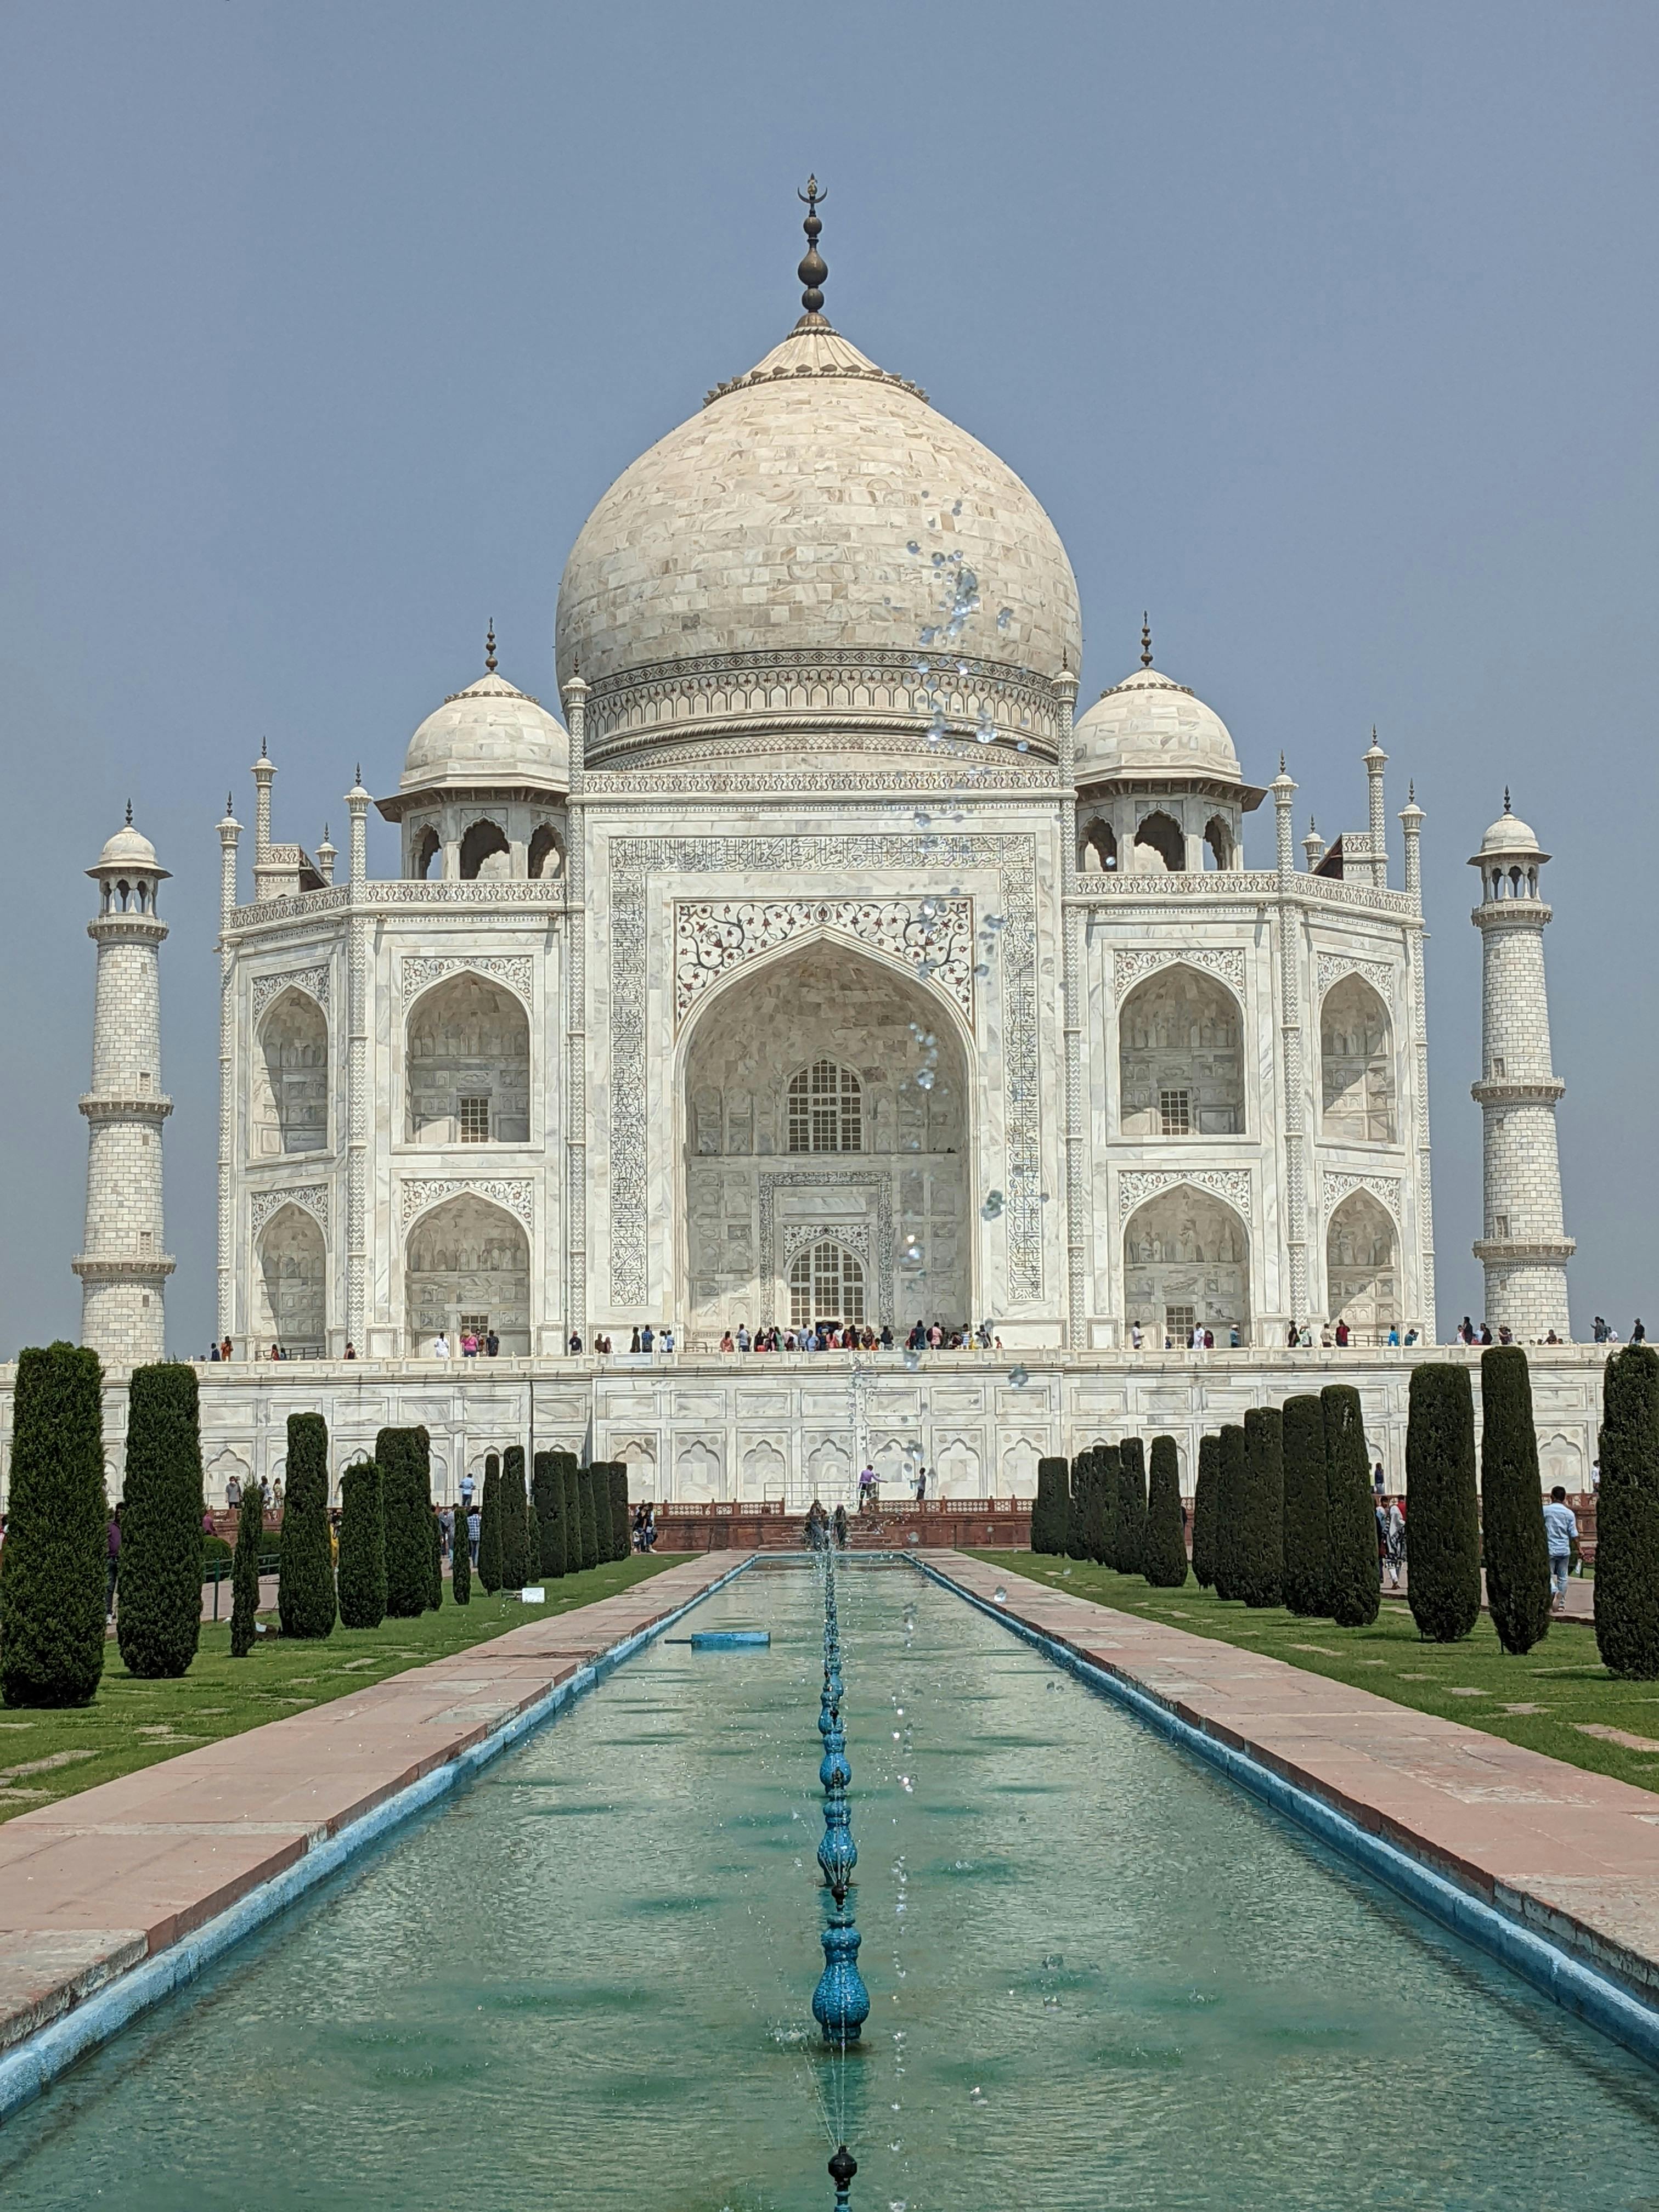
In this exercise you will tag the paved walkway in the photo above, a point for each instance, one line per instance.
(1575, 1854)
(1581, 1595)
(91, 1886)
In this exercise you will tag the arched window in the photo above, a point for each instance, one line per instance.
(484, 852)
(546, 854)
(1180, 1058)
(427, 851)
(469, 1065)
(1361, 1273)
(291, 1078)
(826, 1283)
(826, 1109)
(1160, 848)
(1356, 1065)
(1099, 853)
(1219, 839)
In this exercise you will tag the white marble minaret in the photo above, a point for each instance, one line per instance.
(122, 1266)
(1523, 1247)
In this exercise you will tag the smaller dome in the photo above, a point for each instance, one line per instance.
(1149, 725)
(491, 736)
(1508, 834)
(129, 848)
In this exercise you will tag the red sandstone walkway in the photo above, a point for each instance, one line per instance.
(94, 1885)
(1575, 1854)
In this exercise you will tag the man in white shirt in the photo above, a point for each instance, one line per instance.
(1561, 1527)
(440, 1345)
(467, 1488)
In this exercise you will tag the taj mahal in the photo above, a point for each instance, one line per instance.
(810, 952)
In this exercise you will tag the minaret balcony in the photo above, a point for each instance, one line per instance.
(117, 1268)
(1523, 1251)
(1538, 1090)
(125, 1105)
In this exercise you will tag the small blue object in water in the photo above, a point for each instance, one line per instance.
(729, 1639)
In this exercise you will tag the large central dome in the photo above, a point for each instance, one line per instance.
(780, 562)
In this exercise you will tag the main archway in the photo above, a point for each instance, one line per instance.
(1362, 1270)
(1186, 1266)
(467, 1269)
(824, 1105)
(291, 1284)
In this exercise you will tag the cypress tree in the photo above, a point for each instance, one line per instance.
(1627, 1516)
(57, 1549)
(1129, 1536)
(549, 1513)
(436, 1541)
(1077, 1511)
(1205, 1497)
(621, 1532)
(1051, 1512)
(460, 1560)
(593, 1547)
(1307, 1508)
(159, 1619)
(1354, 1591)
(515, 1520)
(1513, 1547)
(305, 1588)
(489, 1526)
(1163, 1560)
(1108, 1467)
(362, 1547)
(405, 1458)
(1231, 1495)
(1261, 1538)
(569, 1472)
(533, 1541)
(1443, 1513)
(245, 1572)
(1094, 1504)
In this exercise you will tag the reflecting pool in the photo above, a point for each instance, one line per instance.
(1100, 1978)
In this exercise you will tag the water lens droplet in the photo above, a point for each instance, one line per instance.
(913, 547)
(992, 1206)
(1005, 616)
(1019, 1376)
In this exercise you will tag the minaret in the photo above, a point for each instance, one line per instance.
(1375, 761)
(121, 1266)
(1523, 1247)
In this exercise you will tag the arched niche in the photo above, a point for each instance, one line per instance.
(546, 854)
(1186, 1263)
(826, 1284)
(1356, 1060)
(904, 1188)
(1219, 841)
(1362, 1271)
(290, 1078)
(291, 1284)
(1098, 849)
(428, 854)
(467, 1265)
(1160, 848)
(1181, 1057)
(467, 1065)
(486, 854)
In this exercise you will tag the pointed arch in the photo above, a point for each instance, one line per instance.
(466, 1264)
(1362, 1264)
(1186, 1264)
(291, 1284)
(1181, 1057)
(1356, 1063)
(290, 1078)
(467, 1058)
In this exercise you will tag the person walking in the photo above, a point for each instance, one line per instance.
(474, 1529)
(1638, 1333)
(1561, 1531)
(1381, 1540)
(466, 1486)
(1395, 1534)
(440, 1345)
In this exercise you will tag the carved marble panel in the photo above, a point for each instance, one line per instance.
(1379, 974)
(1133, 964)
(312, 1197)
(1136, 1185)
(1385, 1187)
(416, 1192)
(932, 936)
(516, 970)
(313, 982)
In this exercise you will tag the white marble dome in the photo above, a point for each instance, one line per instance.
(1149, 725)
(780, 521)
(491, 736)
(129, 848)
(1508, 834)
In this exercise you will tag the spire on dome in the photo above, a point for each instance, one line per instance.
(1506, 809)
(1145, 640)
(489, 647)
(813, 267)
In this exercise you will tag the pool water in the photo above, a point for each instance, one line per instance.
(1100, 1978)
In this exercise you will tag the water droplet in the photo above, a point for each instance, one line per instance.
(1005, 616)
(1001, 1597)
(924, 1078)
(1021, 747)
(992, 1206)
(1019, 1376)
(913, 547)
(913, 1360)
(956, 509)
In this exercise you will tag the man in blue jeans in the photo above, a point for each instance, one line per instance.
(1561, 1527)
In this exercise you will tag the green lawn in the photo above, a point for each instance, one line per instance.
(1545, 1700)
(132, 1723)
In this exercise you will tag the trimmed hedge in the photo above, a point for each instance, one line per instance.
(622, 1528)
(245, 1573)
(1515, 1550)
(404, 1459)
(489, 1526)
(362, 1547)
(1443, 1511)
(460, 1559)
(1232, 1493)
(436, 1585)
(1354, 1591)
(158, 1623)
(1261, 1556)
(57, 1548)
(1129, 1535)
(515, 1520)
(1627, 1515)
(305, 1587)
(1165, 1554)
(1107, 1468)
(587, 1506)
(549, 1494)
(572, 1513)
(1307, 1508)
(1077, 1511)
(1207, 1488)
(1051, 1513)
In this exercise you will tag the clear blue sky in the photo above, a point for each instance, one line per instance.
(1327, 333)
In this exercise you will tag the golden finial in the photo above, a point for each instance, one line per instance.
(489, 647)
(1146, 642)
(813, 268)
